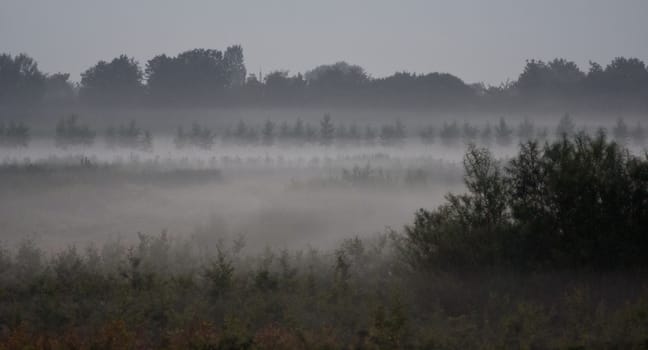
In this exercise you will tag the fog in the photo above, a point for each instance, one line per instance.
(275, 196)
(364, 174)
(281, 195)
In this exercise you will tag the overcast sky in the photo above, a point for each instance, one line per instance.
(477, 40)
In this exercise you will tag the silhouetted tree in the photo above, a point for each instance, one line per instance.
(620, 131)
(21, 82)
(392, 134)
(369, 136)
(438, 89)
(244, 134)
(267, 133)
(503, 133)
(575, 202)
(627, 76)
(14, 135)
(638, 134)
(200, 136)
(526, 130)
(129, 136)
(336, 81)
(353, 135)
(310, 133)
(542, 134)
(198, 75)
(181, 138)
(428, 134)
(280, 87)
(469, 133)
(556, 78)
(341, 134)
(58, 89)
(566, 127)
(298, 131)
(486, 135)
(118, 81)
(449, 133)
(327, 130)
(285, 133)
(234, 63)
(70, 133)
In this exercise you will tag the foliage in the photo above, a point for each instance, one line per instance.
(503, 133)
(70, 133)
(565, 127)
(21, 82)
(14, 135)
(213, 77)
(116, 82)
(163, 293)
(129, 136)
(571, 203)
(194, 76)
(327, 130)
(199, 136)
(450, 133)
(392, 134)
(428, 134)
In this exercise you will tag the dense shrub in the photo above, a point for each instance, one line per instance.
(576, 202)
(163, 292)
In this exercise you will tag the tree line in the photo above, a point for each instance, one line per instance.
(211, 77)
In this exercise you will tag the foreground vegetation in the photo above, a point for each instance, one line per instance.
(544, 251)
(170, 294)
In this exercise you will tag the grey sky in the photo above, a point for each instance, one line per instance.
(478, 40)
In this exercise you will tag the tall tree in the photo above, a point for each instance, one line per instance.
(327, 130)
(556, 78)
(235, 66)
(21, 82)
(192, 76)
(117, 81)
(626, 76)
(336, 81)
(58, 88)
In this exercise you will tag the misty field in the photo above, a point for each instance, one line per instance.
(254, 237)
(323, 175)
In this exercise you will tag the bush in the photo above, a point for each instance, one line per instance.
(579, 202)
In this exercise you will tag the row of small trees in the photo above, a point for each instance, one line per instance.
(299, 133)
(324, 133)
(504, 134)
(70, 132)
(390, 134)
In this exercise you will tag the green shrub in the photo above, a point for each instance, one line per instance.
(576, 202)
